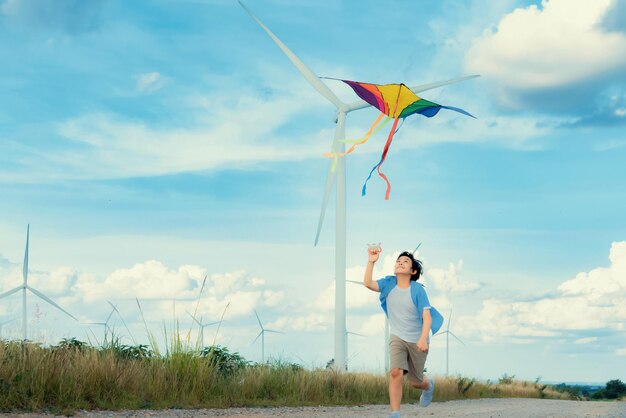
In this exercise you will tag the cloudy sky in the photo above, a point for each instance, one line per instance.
(151, 144)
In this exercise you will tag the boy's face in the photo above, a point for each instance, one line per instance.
(404, 265)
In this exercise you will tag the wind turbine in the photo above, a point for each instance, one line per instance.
(25, 286)
(202, 326)
(350, 333)
(262, 335)
(337, 170)
(448, 333)
(105, 324)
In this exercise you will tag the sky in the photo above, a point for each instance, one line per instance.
(152, 144)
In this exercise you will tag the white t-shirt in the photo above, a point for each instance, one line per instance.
(404, 320)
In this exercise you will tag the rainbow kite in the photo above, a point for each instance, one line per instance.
(396, 101)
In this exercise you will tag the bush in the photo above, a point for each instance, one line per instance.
(225, 362)
(614, 389)
(506, 379)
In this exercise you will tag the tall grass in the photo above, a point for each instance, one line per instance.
(73, 376)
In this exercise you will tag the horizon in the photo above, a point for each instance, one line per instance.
(153, 144)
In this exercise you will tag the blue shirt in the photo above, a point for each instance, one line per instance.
(419, 297)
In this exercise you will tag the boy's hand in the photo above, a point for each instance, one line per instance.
(373, 251)
(422, 346)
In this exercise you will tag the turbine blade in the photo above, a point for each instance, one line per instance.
(354, 281)
(258, 319)
(309, 75)
(257, 337)
(330, 180)
(194, 318)
(10, 292)
(275, 332)
(458, 339)
(360, 104)
(50, 301)
(430, 86)
(25, 268)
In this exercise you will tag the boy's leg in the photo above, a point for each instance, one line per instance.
(399, 366)
(395, 388)
(417, 360)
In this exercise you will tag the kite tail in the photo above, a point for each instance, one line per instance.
(359, 141)
(392, 132)
(456, 109)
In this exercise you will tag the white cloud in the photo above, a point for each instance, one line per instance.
(558, 44)
(310, 322)
(150, 82)
(591, 301)
(150, 279)
(620, 112)
(447, 280)
(586, 340)
(621, 351)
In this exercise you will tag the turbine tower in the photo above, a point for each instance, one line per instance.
(448, 333)
(336, 170)
(262, 335)
(25, 286)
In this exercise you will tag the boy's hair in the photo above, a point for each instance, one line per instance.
(417, 265)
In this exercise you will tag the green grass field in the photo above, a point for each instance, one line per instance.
(73, 375)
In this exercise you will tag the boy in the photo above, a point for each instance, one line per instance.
(411, 318)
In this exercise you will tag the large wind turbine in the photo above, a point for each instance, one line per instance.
(262, 335)
(25, 286)
(448, 333)
(338, 171)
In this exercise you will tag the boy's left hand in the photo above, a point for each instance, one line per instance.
(422, 346)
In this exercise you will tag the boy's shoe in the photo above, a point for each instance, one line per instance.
(395, 414)
(427, 395)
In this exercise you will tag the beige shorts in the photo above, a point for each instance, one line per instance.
(406, 356)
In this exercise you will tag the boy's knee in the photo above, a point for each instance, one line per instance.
(396, 373)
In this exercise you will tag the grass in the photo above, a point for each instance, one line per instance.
(74, 375)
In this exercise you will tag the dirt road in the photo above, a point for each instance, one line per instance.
(505, 408)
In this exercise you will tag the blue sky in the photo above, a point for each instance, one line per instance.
(149, 144)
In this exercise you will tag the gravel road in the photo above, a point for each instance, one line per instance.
(509, 408)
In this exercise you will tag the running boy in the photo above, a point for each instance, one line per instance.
(411, 319)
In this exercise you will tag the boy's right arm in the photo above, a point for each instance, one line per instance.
(367, 278)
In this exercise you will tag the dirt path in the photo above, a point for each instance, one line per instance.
(505, 408)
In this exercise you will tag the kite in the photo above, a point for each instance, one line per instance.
(396, 101)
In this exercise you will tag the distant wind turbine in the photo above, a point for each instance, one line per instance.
(262, 335)
(448, 333)
(202, 326)
(347, 352)
(25, 286)
(338, 170)
(105, 324)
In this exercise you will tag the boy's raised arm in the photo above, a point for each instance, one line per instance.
(367, 278)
